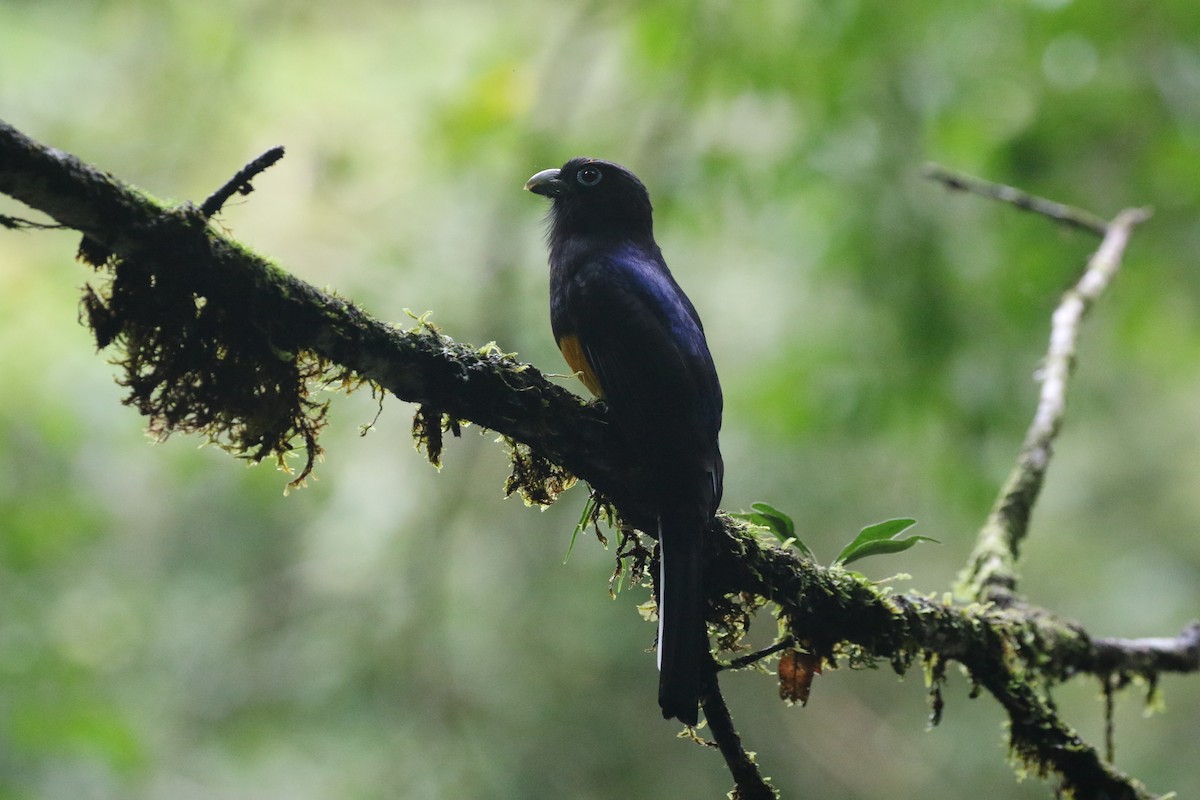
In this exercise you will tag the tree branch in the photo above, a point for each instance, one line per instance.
(1068, 215)
(1146, 657)
(240, 183)
(219, 341)
(991, 574)
(297, 321)
(749, 782)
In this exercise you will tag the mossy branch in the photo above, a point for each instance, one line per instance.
(218, 340)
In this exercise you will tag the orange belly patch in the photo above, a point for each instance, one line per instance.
(577, 361)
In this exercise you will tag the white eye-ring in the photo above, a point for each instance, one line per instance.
(589, 176)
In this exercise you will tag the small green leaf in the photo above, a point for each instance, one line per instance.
(885, 547)
(887, 529)
(807, 554)
(778, 523)
(880, 539)
(767, 516)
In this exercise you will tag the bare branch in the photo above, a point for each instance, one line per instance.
(18, 224)
(758, 655)
(1068, 215)
(991, 571)
(1148, 656)
(240, 183)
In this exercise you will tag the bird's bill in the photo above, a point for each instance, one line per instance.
(547, 183)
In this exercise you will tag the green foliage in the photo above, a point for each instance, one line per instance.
(778, 523)
(881, 538)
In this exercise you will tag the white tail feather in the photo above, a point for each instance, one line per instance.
(662, 592)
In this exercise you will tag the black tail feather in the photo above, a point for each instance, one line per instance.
(684, 661)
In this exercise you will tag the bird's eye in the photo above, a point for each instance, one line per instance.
(589, 176)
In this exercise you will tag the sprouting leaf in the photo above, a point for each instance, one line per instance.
(584, 518)
(778, 523)
(880, 539)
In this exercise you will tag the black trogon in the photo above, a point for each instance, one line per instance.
(624, 325)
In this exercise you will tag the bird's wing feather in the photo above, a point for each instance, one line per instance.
(648, 354)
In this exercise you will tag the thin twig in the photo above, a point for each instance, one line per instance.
(749, 782)
(759, 655)
(1067, 215)
(240, 182)
(19, 224)
(991, 573)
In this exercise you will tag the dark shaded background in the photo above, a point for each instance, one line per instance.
(172, 627)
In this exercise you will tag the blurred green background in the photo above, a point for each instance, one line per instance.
(171, 626)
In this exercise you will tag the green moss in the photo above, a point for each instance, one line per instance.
(197, 361)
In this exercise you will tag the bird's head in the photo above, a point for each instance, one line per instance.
(594, 197)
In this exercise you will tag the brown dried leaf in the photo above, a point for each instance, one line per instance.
(796, 672)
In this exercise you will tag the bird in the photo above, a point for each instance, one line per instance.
(627, 329)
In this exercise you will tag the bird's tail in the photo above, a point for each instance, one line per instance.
(684, 661)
